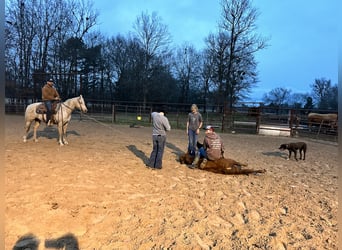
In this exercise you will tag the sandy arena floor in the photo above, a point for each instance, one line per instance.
(96, 193)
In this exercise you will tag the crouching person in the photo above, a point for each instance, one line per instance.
(212, 149)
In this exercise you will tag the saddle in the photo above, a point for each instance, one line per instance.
(41, 108)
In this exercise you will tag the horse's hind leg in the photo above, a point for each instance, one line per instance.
(27, 129)
(35, 127)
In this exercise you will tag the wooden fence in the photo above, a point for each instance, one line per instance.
(242, 119)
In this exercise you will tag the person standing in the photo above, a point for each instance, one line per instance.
(193, 125)
(160, 126)
(213, 147)
(49, 94)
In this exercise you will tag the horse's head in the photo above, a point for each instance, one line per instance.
(81, 104)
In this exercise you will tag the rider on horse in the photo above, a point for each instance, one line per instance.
(49, 94)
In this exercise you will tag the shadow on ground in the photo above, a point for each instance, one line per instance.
(138, 153)
(276, 154)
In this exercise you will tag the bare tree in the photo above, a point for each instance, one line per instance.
(82, 17)
(217, 47)
(125, 59)
(299, 100)
(238, 44)
(36, 32)
(207, 74)
(21, 26)
(277, 97)
(187, 71)
(325, 94)
(154, 38)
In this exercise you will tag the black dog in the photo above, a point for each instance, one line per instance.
(293, 147)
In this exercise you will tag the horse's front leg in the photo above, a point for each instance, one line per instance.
(64, 134)
(60, 134)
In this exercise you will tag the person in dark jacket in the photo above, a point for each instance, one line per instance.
(160, 126)
(49, 94)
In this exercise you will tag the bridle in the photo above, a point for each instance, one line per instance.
(79, 100)
(81, 103)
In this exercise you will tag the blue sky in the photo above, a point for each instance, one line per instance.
(303, 34)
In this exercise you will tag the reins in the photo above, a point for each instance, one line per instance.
(63, 103)
(67, 106)
(101, 123)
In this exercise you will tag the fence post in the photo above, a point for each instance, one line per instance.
(150, 118)
(291, 116)
(113, 114)
(258, 119)
(177, 119)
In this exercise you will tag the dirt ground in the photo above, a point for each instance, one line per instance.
(96, 193)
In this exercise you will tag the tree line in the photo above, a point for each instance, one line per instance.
(323, 95)
(57, 39)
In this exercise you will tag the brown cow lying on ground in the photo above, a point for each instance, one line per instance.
(221, 166)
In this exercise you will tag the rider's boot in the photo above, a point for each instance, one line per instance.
(51, 121)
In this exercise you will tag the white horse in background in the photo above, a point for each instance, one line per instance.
(62, 117)
(320, 119)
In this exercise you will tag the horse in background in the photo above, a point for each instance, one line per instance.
(320, 119)
(62, 117)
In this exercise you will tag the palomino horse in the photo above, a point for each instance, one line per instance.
(62, 117)
(320, 119)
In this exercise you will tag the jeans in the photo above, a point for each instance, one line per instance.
(202, 153)
(193, 137)
(156, 158)
(48, 105)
